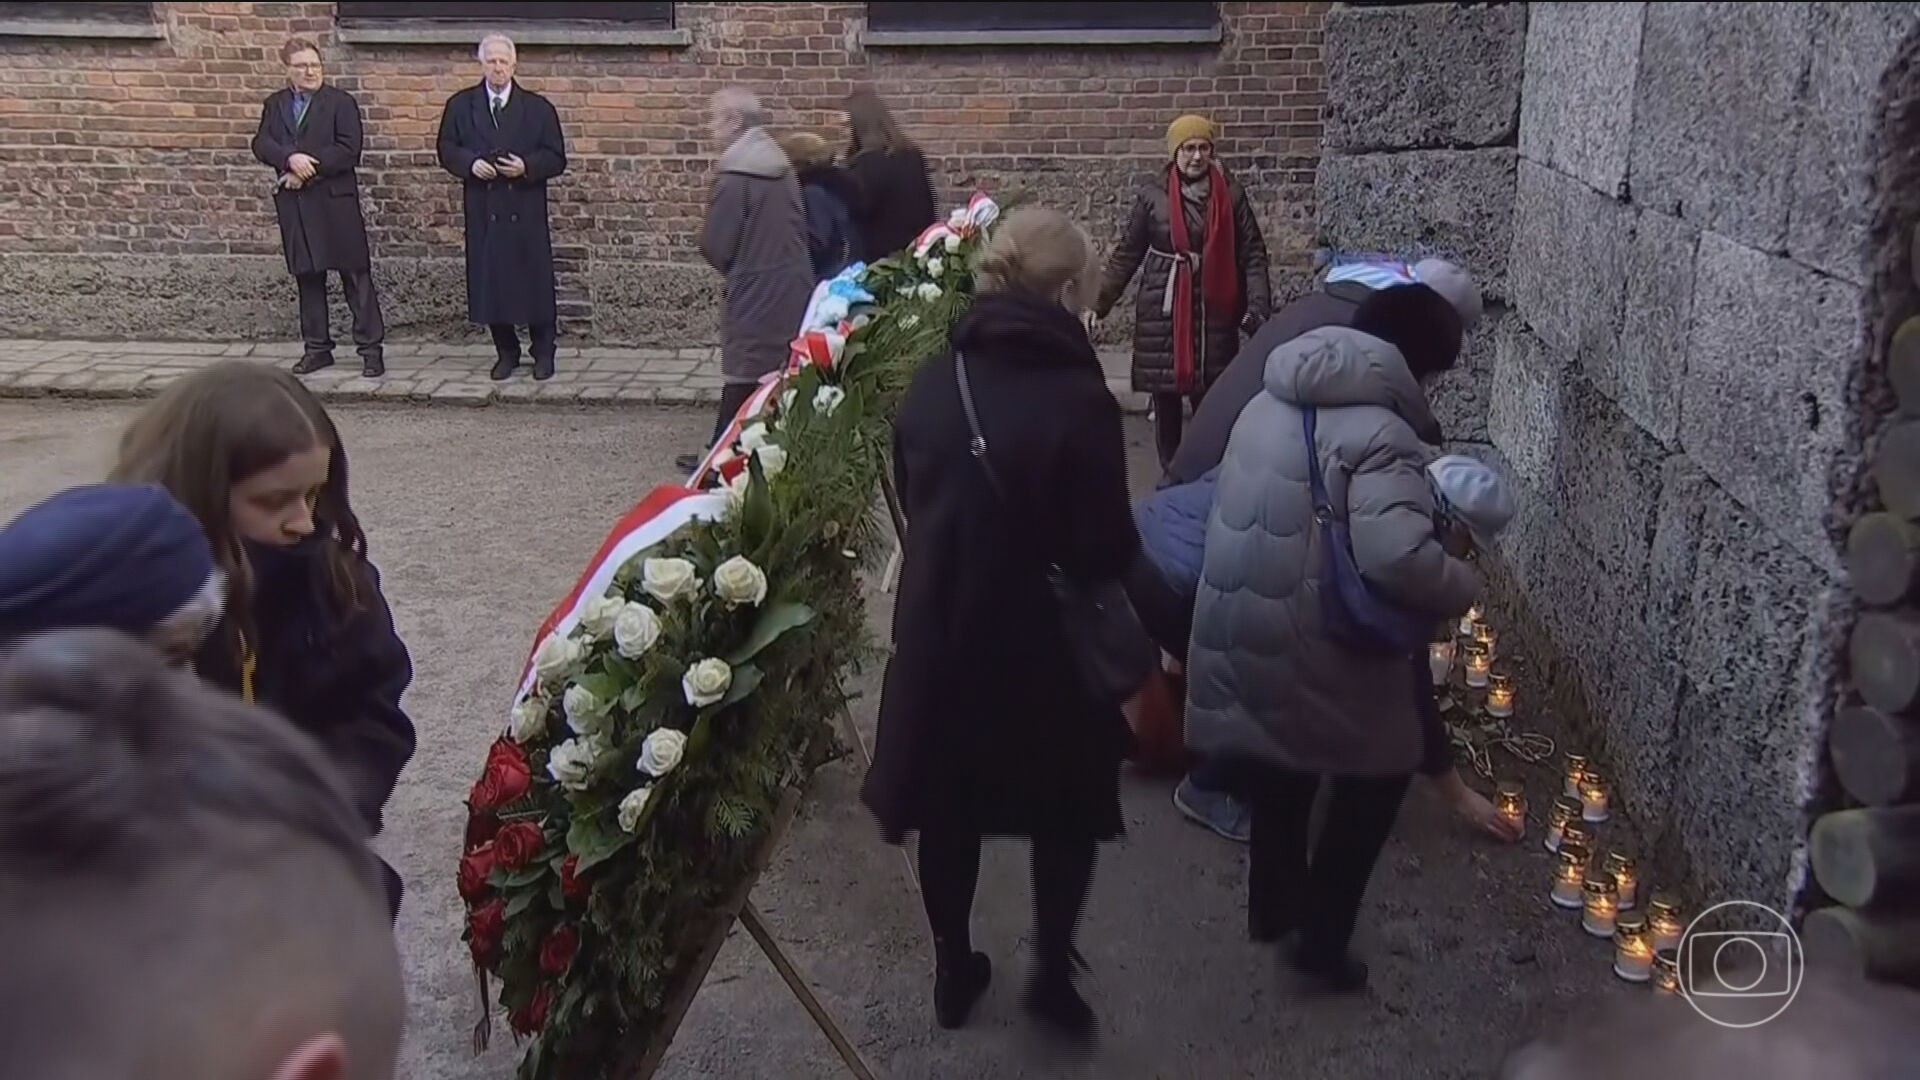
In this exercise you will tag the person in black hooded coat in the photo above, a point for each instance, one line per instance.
(986, 728)
(830, 194)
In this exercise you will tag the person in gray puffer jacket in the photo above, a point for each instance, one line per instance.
(1267, 688)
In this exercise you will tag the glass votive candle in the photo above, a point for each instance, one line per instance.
(1663, 921)
(1479, 665)
(1569, 874)
(1500, 696)
(1600, 907)
(1564, 810)
(1440, 661)
(1510, 802)
(1576, 835)
(1466, 621)
(1632, 947)
(1483, 636)
(1576, 768)
(1625, 881)
(1666, 970)
(1593, 797)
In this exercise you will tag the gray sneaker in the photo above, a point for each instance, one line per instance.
(1215, 810)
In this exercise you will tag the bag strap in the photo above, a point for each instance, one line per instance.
(978, 444)
(1316, 482)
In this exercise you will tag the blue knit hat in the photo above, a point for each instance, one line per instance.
(115, 555)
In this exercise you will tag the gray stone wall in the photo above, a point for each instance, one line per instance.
(1671, 215)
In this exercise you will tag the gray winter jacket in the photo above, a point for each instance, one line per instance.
(1263, 679)
(756, 235)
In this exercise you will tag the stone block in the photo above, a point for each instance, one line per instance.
(1460, 397)
(1764, 402)
(1608, 472)
(1685, 493)
(1452, 203)
(1455, 76)
(1715, 113)
(655, 302)
(1646, 370)
(1642, 726)
(1526, 409)
(1832, 204)
(1576, 111)
(1569, 268)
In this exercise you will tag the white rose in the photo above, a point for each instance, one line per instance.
(631, 806)
(828, 398)
(598, 615)
(635, 630)
(738, 581)
(737, 490)
(773, 459)
(753, 438)
(557, 658)
(665, 579)
(662, 751)
(586, 714)
(928, 291)
(861, 320)
(569, 762)
(909, 320)
(935, 266)
(706, 682)
(952, 243)
(530, 719)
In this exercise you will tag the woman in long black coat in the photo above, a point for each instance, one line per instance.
(890, 174)
(986, 728)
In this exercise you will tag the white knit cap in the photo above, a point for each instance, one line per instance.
(1474, 493)
(1453, 283)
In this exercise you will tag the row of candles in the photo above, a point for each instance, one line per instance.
(1606, 892)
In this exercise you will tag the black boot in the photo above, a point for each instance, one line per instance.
(503, 368)
(313, 362)
(372, 365)
(957, 985)
(1053, 999)
(1340, 974)
(542, 368)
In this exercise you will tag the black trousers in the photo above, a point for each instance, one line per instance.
(1318, 890)
(732, 396)
(369, 329)
(1169, 420)
(950, 871)
(506, 343)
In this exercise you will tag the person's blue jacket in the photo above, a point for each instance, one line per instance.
(1173, 529)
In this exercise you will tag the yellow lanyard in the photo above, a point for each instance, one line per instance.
(248, 661)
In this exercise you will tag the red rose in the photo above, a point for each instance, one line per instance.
(528, 1019)
(485, 926)
(474, 868)
(557, 951)
(570, 884)
(480, 829)
(507, 777)
(517, 843)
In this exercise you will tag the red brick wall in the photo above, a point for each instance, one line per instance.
(129, 185)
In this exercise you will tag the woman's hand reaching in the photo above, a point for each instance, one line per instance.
(1474, 808)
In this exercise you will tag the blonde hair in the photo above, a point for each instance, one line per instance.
(1038, 251)
(805, 149)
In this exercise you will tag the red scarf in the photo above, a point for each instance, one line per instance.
(1219, 270)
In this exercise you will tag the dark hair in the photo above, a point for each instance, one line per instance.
(873, 129)
(222, 425)
(1416, 320)
(295, 46)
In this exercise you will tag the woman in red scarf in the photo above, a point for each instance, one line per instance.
(1205, 276)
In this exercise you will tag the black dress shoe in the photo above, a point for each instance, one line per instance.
(1266, 927)
(372, 367)
(542, 368)
(1341, 974)
(686, 463)
(503, 368)
(313, 362)
(1052, 999)
(957, 988)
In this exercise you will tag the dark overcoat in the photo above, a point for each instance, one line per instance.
(985, 724)
(1147, 248)
(320, 223)
(509, 247)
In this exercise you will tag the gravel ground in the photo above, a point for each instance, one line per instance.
(481, 519)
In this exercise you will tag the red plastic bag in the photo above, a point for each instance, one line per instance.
(1159, 727)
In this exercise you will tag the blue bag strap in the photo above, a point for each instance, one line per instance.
(1316, 483)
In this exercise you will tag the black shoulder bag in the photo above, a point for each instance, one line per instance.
(1110, 647)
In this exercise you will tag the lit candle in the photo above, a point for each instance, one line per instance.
(1601, 905)
(1500, 695)
(1624, 881)
(1666, 970)
(1483, 635)
(1479, 665)
(1593, 797)
(1569, 873)
(1510, 800)
(1564, 810)
(1576, 767)
(1440, 661)
(1663, 918)
(1577, 836)
(1466, 621)
(1632, 947)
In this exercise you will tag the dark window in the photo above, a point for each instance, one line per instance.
(105, 13)
(124, 21)
(655, 15)
(1108, 16)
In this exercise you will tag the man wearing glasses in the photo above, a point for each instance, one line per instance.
(310, 136)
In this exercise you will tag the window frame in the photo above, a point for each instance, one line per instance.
(536, 29)
(83, 21)
(960, 34)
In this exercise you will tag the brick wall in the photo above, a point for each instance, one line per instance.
(131, 207)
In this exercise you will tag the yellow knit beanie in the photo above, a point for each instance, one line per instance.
(1187, 127)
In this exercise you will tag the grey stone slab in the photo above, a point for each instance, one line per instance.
(1685, 493)
(1716, 109)
(1526, 408)
(1452, 203)
(1642, 717)
(463, 393)
(1569, 268)
(1609, 471)
(1832, 203)
(1646, 371)
(1771, 351)
(659, 366)
(1455, 78)
(1576, 111)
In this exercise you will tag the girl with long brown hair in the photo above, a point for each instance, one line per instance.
(896, 189)
(251, 453)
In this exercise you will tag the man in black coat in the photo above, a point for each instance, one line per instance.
(310, 136)
(504, 142)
